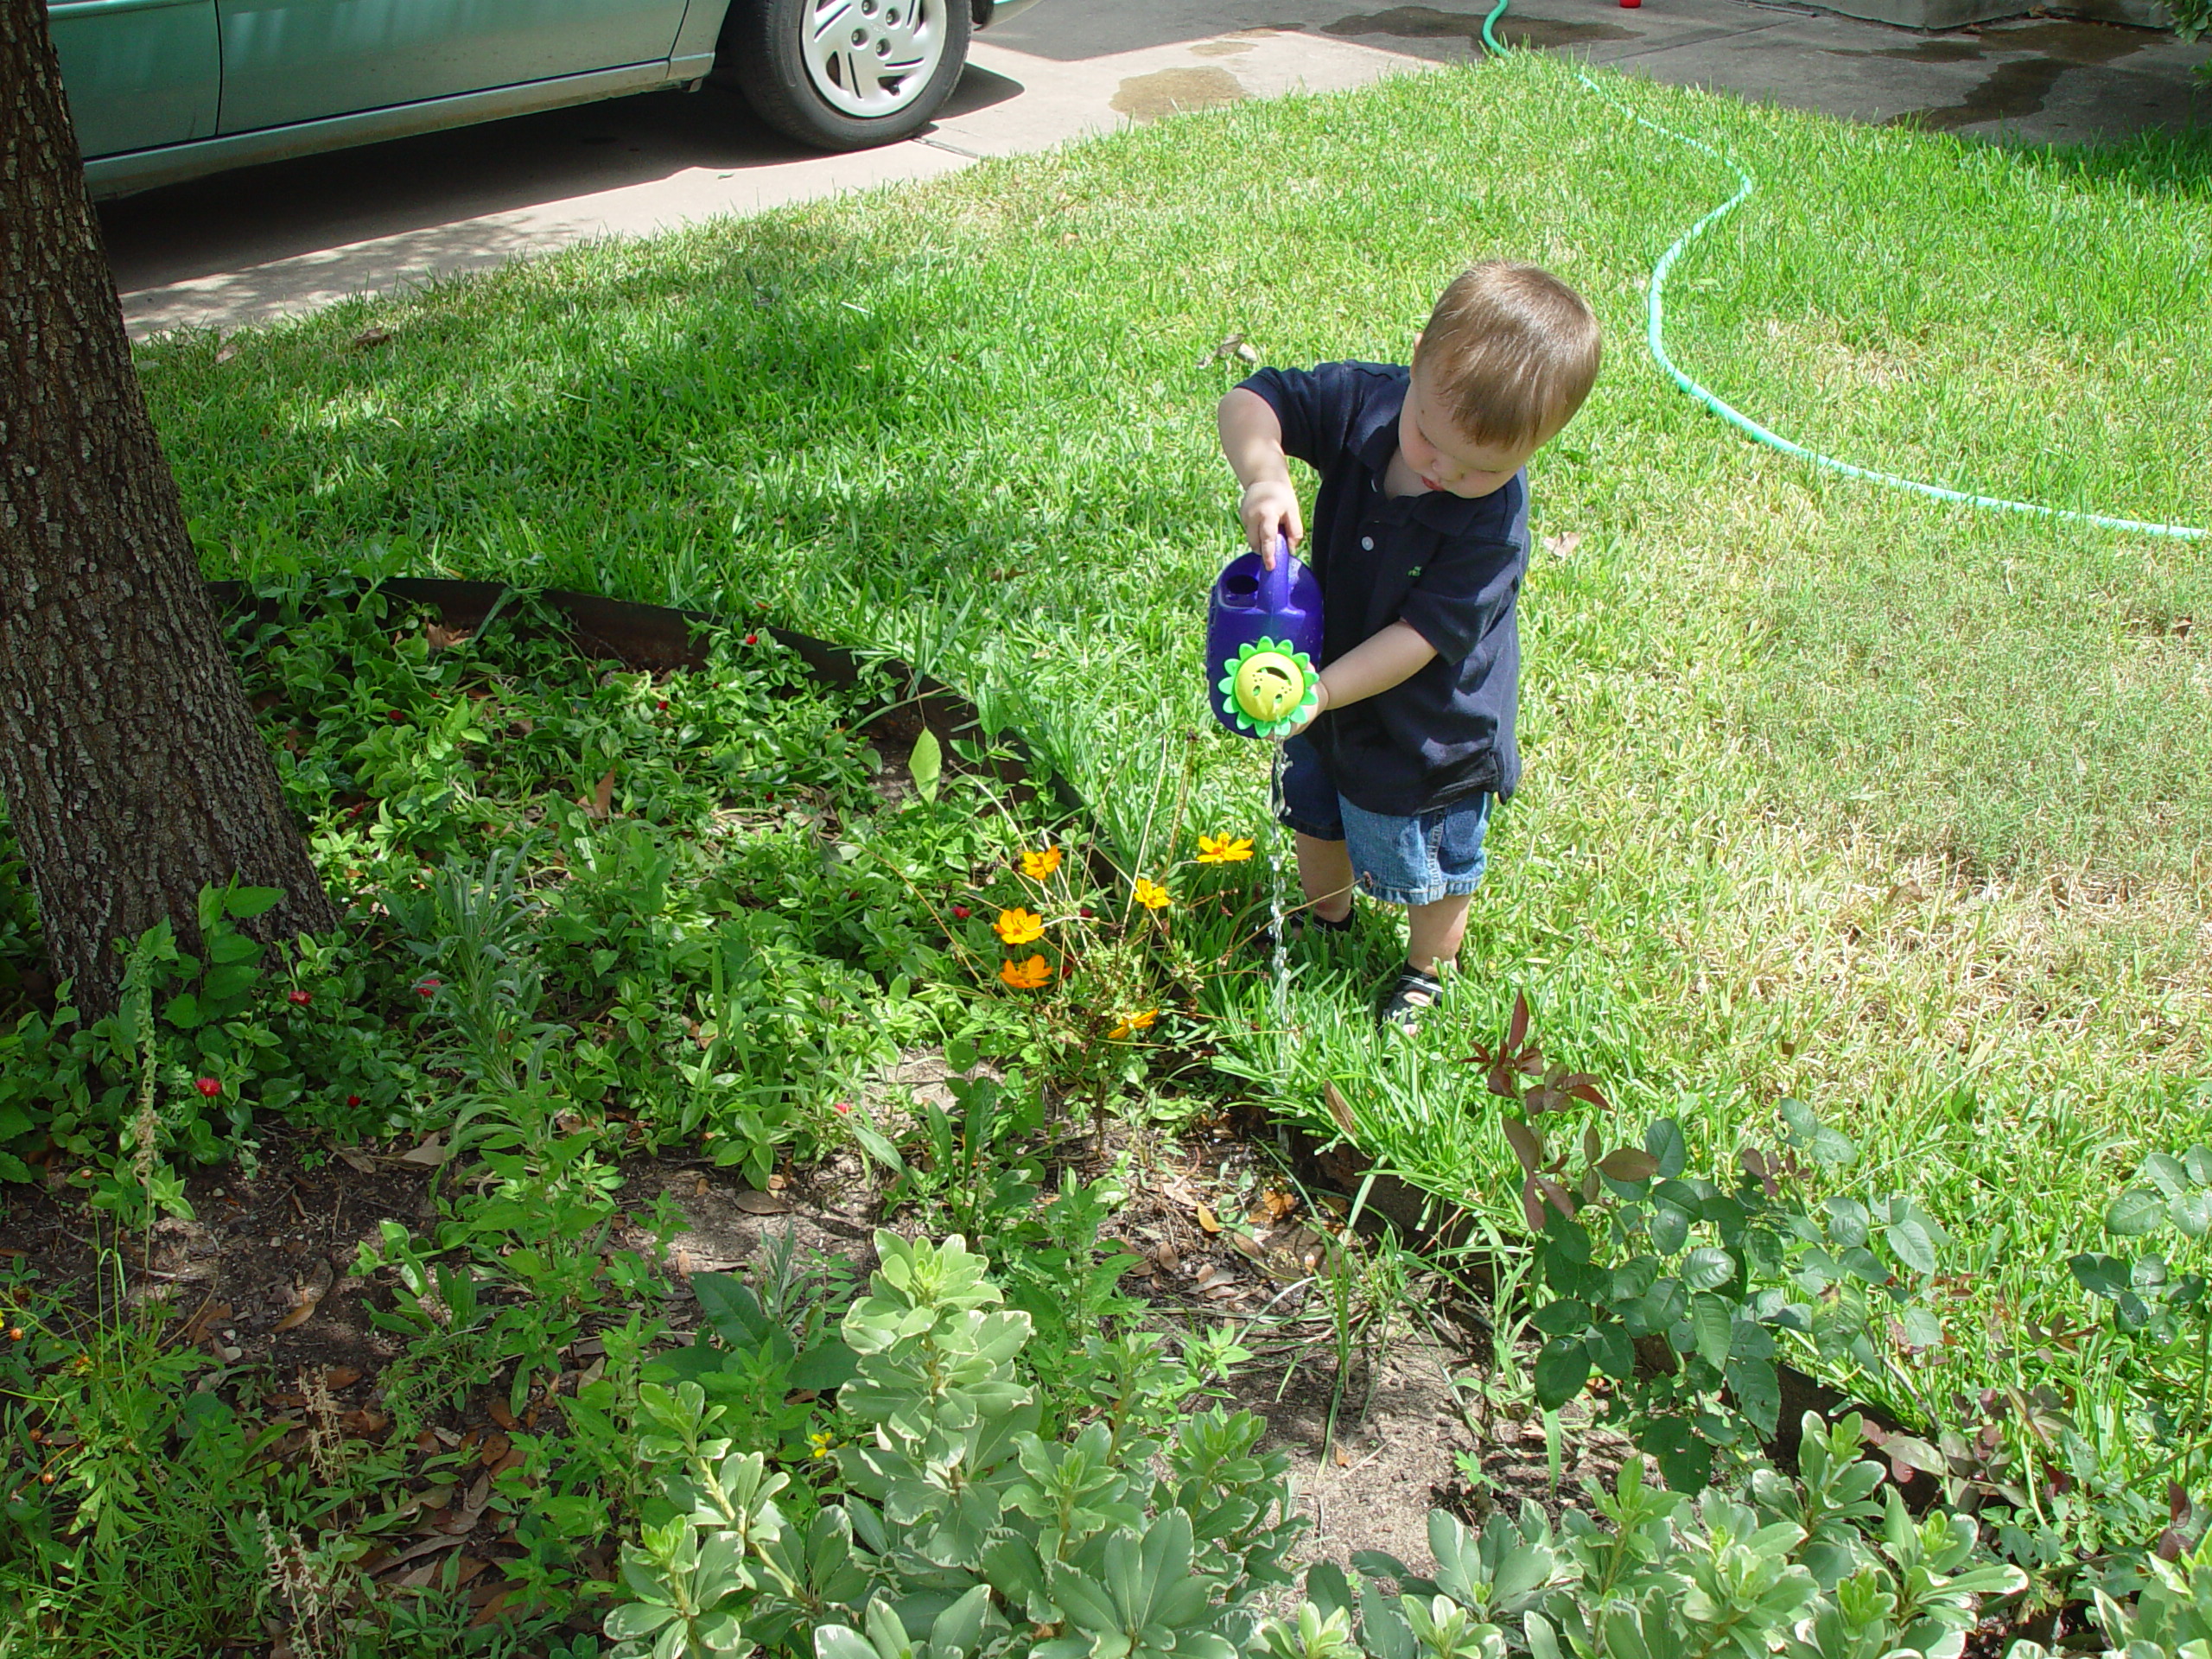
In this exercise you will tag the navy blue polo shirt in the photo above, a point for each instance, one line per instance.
(1448, 567)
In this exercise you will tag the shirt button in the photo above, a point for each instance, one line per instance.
(1367, 543)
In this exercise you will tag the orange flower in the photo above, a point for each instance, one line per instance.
(1038, 866)
(1026, 975)
(1019, 926)
(1152, 895)
(1224, 850)
(1130, 1022)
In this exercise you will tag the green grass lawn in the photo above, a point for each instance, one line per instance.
(1831, 792)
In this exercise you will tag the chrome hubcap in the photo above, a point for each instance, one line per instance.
(871, 58)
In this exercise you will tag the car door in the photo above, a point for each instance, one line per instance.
(139, 74)
(286, 60)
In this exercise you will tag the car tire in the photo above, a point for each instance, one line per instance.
(827, 72)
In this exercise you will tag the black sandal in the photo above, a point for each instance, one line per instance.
(1300, 922)
(1413, 995)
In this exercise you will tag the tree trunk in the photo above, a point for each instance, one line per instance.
(130, 762)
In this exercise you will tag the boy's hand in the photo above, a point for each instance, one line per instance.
(1270, 508)
(1321, 703)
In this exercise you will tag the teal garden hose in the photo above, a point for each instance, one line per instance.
(1655, 307)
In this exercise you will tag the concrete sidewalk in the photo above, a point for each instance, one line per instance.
(249, 247)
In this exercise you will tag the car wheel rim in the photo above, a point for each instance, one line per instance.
(872, 58)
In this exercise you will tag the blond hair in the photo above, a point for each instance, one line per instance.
(1512, 351)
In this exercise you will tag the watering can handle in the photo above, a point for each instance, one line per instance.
(1275, 591)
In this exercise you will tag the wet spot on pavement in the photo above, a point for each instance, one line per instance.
(1167, 92)
(1220, 48)
(2012, 92)
(1427, 23)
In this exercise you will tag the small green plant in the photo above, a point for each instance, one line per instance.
(962, 1532)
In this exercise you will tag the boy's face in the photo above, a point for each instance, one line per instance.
(1446, 460)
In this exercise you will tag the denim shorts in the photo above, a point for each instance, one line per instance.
(1413, 860)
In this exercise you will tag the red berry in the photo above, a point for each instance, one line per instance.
(1089, 913)
(662, 704)
(394, 716)
(962, 912)
(352, 1100)
(208, 1086)
(752, 639)
(299, 999)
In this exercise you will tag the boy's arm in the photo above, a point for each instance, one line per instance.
(1381, 660)
(1251, 439)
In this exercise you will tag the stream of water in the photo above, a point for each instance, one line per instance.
(1279, 932)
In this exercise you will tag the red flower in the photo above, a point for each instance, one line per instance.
(1089, 913)
(208, 1086)
(752, 639)
(961, 912)
(429, 987)
(844, 1105)
(662, 704)
(299, 999)
(352, 1100)
(394, 715)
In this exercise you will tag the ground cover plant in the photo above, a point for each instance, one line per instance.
(1833, 800)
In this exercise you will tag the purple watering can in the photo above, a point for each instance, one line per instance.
(1263, 631)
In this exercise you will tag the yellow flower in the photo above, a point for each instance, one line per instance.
(1019, 926)
(1152, 895)
(1038, 866)
(822, 1443)
(1224, 850)
(1026, 975)
(1130, 1022)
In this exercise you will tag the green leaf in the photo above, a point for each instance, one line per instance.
(1755, 1386)
(183, 1012)
(1670, 1228)
(1662, 1138)
(1562, 1367)
(1713, 1327)
(634, 1620)
(2191, 1213)
(246, 903)
(2134, 1212)
(837, 1642)
(1708, 1268)
(1922, 1328)
(1611, 1349)
(926, 763)
(2099, 1274)
(1848, 1223)
(1909, 1239)
(2164, 1172)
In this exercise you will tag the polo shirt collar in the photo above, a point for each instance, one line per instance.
(1377, 440)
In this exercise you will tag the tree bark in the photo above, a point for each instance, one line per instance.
(129, 759)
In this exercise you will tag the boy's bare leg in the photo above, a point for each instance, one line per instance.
(1324, 876)
(1436, 931)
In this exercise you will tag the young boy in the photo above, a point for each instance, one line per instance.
(1421, 538)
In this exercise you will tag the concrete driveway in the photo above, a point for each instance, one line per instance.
(248, 247)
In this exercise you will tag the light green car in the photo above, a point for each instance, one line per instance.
(165, 90)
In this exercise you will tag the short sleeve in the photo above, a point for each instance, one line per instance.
(1460, 596)
(1317, 408)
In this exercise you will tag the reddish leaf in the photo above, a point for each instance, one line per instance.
(1557, 1194)
(502, 1416)
(1628, 1164)
(1532, 1205)
(1528, 1145)
(1519, 1028)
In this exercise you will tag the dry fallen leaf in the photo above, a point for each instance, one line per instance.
(308, 1297)
(354, 1158)
(602, 804)
(1340, 1109)
(227, 350)
(341, 1377)
(1207, 1220)
(495, 1447)
(1563, 547)
(430, 1153)
(502, 1416)
(1343, 1457)
(441, 638)
(760, 1203)
(369, 338)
